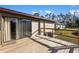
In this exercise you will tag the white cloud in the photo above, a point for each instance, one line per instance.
(76, 11)
(47, 11)
(72, 11)
(34, 12)
(39, 11)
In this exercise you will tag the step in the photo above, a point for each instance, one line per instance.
(57, 40)
(51, 44)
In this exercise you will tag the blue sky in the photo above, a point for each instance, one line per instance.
(42, 9)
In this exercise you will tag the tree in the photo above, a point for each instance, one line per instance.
(70, 20)
(42, 16)
(53, 16)
(68, 16)
(36, 14)
(67, 19)
(61, 17)
(48, 16)
(77, 23)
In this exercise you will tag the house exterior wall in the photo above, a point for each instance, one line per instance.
(47, 25)
(21, 27)
(5, 30)
(34, 27)
(51, 26)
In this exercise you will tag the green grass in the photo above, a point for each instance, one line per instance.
(66, 35)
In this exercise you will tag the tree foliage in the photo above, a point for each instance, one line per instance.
(36, 14)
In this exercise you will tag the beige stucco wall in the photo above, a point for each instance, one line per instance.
(47, 25)
(41, 24)
(34, 27)
(5, 33)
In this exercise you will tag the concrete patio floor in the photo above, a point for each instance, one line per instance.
(39, 44)
(24, 46)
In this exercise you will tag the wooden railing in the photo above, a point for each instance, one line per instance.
(47, 31)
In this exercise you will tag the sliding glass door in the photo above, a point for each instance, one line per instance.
(25, 28)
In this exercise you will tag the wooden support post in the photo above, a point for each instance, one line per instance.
(39, 28)
(22, 28)
(44, 28)
(52, 32)
(2, 29)
(19, 25)
(17, 29)
(55, 28)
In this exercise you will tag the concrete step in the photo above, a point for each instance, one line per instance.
(52, 42)
(57, 40)
(49, 43)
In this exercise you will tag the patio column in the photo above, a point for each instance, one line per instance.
(7, 29)
(43, 27)
(21, 29)
(39, 28)
(2, 29)
(17, 29)
(55, 28)
(24, 28)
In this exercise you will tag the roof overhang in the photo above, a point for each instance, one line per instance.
(13, 13)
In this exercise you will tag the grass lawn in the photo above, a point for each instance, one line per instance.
(66, 35)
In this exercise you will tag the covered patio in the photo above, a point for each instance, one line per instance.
(17, 25)
(33, 31)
